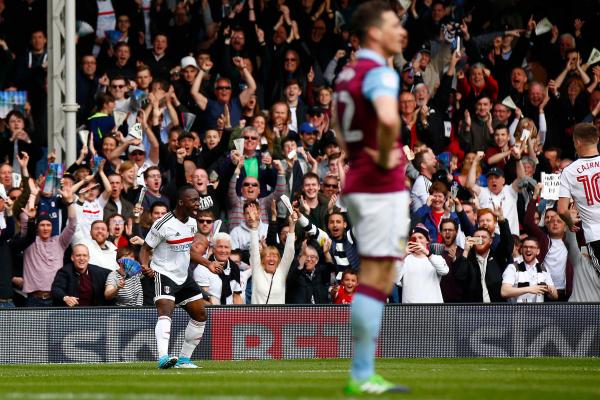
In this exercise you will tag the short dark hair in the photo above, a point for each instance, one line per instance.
(184, 189)
(419, 159)
(448, 221)
(292, 81)
(287, 139)
(336, 212)
(500, 126)
(248, 203)
(102, 99)
(531, 239)
(150, 169)
(98, 221)
(349, 271)
(15, 113)
(368, 15)
(310, 175)
(158, 204)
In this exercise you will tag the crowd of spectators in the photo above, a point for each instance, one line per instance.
(235, 98)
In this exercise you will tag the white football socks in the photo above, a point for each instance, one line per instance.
(193, 334)
(163, 334)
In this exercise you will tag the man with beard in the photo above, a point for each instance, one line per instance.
(479, 273)
(101, 251)
(451, 289)
(426, 163)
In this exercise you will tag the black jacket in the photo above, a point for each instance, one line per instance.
(66, 283)
(469, 275)
(303, 287)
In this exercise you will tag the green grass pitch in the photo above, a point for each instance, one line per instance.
(486, 379)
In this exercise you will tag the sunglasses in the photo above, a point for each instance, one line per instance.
(250, 137)
(138, 153)
(117, 86)
(223, 87)
(205, 221)
(246, 184)
(331, 185)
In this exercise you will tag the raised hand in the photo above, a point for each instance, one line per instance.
(67, 194)
(260, 34)
(23, 160)
(467, 118)
(531, 24)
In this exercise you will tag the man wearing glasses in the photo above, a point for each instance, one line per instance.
(213, 109)
(250, 189)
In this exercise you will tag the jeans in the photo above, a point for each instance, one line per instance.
(34, 302)
(7, 304)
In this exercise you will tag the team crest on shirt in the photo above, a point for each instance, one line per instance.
(167, 289)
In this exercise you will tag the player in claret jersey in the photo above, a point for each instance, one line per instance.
(579, 181)
(170, 239)
(366, 104)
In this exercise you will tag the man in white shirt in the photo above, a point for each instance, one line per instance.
(528, 281)
(103, 253)
(420, 272)
(426, 163)
(223, 287)
(169, 241)
(579, 181)
(497, 192)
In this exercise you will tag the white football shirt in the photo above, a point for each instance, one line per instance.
(171, 240)
(579, 181)
(508, 198)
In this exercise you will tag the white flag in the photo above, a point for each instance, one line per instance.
(135, 131)
(286, 201)
(508, 102)
(84, 135)
(405, 4)
(544, 26)
(594, 57)
(239, 144)
(119, 117)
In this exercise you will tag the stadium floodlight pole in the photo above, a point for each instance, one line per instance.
(70, 106)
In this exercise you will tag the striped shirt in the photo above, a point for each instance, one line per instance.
(236, 212)
(129, 295)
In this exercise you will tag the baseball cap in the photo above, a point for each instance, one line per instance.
(188, 61)
(307, 127)
(138, 147)
(425, 48)
(422, 229)
(495, 171)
